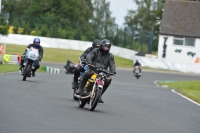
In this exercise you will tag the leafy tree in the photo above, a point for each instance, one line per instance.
(53, 14)
(102, 20)
(3, 25)
(146, 17)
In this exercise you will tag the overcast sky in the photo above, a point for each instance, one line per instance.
(119, 9)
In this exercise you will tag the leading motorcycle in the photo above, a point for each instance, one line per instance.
(92, 91)
(31, 56)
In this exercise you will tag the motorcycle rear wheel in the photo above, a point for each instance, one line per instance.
(82, 103)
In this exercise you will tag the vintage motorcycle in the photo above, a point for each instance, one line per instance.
(91, 93)
(32, 56)
(136, 72)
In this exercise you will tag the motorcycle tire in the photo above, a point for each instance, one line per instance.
(26, 70)
(82, 103)
(94, 101)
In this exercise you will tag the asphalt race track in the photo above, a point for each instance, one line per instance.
(44, 104)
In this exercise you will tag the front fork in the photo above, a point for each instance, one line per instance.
(95, 87)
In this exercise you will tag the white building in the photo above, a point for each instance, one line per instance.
(181, 26)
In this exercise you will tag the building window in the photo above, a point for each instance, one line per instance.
(184, 41)
(178, 41)
(189, 41)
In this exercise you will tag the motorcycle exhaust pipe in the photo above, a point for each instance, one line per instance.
(77, 96)
(81, 97)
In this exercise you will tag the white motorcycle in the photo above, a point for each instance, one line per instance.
(136, 72)
(31, 58)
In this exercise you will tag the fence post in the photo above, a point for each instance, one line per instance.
(125, 37)
(141, 41)
(132, 38)
(150, 42)
(117, 36)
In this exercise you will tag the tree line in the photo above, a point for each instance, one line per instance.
(83, 20)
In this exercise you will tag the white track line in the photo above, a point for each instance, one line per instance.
(185, 97)
(155, 82)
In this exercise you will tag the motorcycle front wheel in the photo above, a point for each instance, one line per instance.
(26, 71)
(95, 99)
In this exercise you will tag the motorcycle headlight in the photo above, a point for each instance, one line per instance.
(32, 56)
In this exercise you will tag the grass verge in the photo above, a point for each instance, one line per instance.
(61, 55)
(190, 89)
(8, 68)
(13, 68)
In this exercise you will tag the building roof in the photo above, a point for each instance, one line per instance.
(181, 18)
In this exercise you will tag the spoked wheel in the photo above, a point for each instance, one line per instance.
(26, 72)
(94, 100)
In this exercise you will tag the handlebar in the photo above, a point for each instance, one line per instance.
(96, 69)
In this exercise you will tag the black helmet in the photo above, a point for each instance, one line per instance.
(105, 43)
(96, 43)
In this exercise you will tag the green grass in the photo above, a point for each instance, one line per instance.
(13, 68)
(190, 89)
(8, 68)
(61, 55)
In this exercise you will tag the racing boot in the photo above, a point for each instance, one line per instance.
(104, 89)
(20, 70)
(80, 89)
(33, 72)
(101, 100)
(74, 85)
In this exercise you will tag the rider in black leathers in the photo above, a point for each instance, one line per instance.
(102, 58)
(79, 68)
